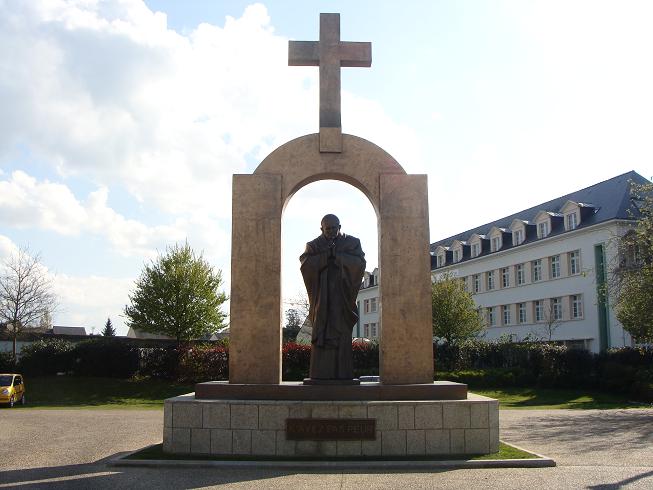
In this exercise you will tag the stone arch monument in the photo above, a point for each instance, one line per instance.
(401, 204)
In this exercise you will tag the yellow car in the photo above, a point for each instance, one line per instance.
(12, 389)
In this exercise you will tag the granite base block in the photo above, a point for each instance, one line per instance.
(257, 427)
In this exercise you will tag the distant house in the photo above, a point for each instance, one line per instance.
(368, 302)
(76, 331)
(139, 334)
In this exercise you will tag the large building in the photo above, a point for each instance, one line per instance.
(368, 325)
(539, 274)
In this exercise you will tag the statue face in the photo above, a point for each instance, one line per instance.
(330, 228)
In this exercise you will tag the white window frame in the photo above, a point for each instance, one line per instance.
(440, 260)
(576, 301)
(495, 243)
(374, 333)
(521, 308)
(477, 283)
(366, 305)
(543, 229)
(366, 330)
(476, 249)
(518, 236)
(555, 266)
(490, 316)
(505, 311)
(536, 268)
(574, 262)
(374, 305)
(520, 275)
(539, 310)
(556, 308)
(505, 277)
(457, 255)
(571, 221)
(490, 280)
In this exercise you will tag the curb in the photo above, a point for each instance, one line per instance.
(540, 462)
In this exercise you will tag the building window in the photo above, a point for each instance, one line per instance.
(366, 306)
(475, 249)
(542, 229)
(490, 280)
(556, 308)
(374, 330)
(519, 272)
(366, 330)
(576, 306)
(539, 310)
(456, 255)
(518, 237)
(490, 316)
(537, 270)
(522, 312)
(373, 305)
(571, 221)
(477, 283)
(555, 266)
(574, 262)
(440, 261)
(495, 243)
(505, 277)
(506, 314)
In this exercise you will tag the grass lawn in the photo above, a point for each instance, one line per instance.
(506, 451)
(544, 398)
(86, 392)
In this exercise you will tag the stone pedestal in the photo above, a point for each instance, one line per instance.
(258, 427)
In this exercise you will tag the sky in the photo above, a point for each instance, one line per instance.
(123, 121)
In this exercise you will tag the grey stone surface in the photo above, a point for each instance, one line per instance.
(372, 447)
(216, 416)
(385, 415)
(272, 417)
(348, 448)
(306, 448)
(437, 441)
(358, 411)
(416, 441)
(264, 442)
(244, 416)
(187, 415)
(221, 441)
(405, 416)
(393, 443)
(428, 416)
(242, 442)
(200, 441)
(457, 441)
(180, 440)
(480, 414)
(284, 446)
(456, 415)
(167, 414)
(477, 441)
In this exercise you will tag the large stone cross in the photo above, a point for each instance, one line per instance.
(329, 53)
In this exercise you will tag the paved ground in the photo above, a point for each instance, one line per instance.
(68, 448)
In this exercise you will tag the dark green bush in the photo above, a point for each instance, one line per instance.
(201, 363)
(105, 357)
(45, 357)
(159, 362)
(295, 361)
(6, 362)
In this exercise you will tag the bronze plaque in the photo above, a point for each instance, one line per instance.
(330, 429)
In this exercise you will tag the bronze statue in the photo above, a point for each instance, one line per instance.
(332, 267)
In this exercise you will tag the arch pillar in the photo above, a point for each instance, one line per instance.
(401, 204)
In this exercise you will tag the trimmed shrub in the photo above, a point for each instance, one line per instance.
(200, 363)
(6, 364)
(105, 357)
(45, 357)
(158, 362)
(296, 360)
(366, 358)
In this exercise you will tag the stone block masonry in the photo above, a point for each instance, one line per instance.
(258, 427)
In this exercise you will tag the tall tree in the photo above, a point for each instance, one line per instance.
(108, 330)
(455, 315)
(294, 322)
(177, 295)
(26, 295)
(633, 279)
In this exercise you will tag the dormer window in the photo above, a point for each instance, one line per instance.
(440, 260)
(476, 249)
(571, 221)
(518, 236)
(456, 255)
(543, 229)
(495, 244)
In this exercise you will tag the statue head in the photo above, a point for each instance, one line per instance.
(330, 226)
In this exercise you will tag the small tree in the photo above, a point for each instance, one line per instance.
(26, 296)
(455, 315)
(177, 295)
(293, 324)
(109, 331)
(633, 278)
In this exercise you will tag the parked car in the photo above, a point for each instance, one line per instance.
(12, 389)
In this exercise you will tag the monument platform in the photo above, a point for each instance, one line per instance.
(289, 390)
(290, 428)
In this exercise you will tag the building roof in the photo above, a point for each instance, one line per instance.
(610, 200)
(58, 330)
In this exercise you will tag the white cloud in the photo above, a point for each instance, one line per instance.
(7, 248)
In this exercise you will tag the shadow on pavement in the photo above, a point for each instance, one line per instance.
(622, 483)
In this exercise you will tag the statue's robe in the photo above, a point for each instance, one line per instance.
(332, 286)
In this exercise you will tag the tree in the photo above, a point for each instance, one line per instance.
(177, 295)
(455, 315)
(633, 278)
(26, 295)
(109, 331)
(294, 322)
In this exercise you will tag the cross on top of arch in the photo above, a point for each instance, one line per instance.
(330, 54)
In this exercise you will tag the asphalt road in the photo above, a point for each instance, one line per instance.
(594, 449)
